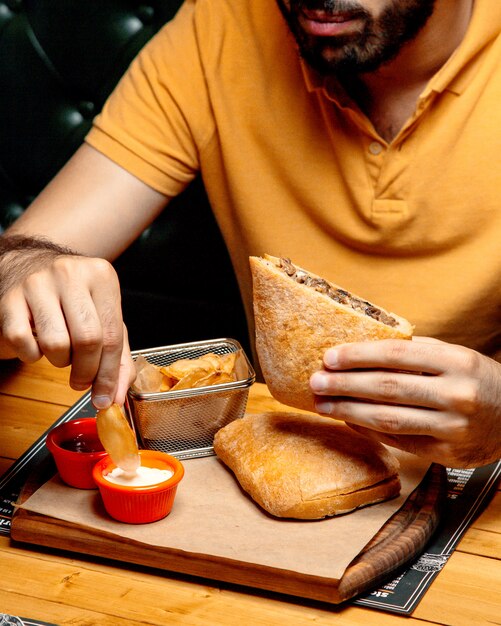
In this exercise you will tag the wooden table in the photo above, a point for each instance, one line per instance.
(63, 588)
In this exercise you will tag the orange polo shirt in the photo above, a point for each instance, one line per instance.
(293, 168)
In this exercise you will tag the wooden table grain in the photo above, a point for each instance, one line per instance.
(62, 588)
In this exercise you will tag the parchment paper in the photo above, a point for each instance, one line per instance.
(213, 516)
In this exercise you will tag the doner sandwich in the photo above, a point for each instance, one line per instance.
(304, 466)
(298, 315)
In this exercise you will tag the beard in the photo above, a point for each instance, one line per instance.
(376, 41)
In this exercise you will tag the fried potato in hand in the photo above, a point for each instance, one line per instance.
(118, 438)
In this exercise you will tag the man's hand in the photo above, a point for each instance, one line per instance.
(67, 307)
(437, 400)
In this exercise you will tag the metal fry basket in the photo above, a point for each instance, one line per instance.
(183, 423)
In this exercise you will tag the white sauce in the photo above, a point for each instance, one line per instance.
(142, 477)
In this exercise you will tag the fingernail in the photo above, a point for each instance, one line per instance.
(80, 386)
(323, 407)
(101, 402)
(330, 358)
(318, 382)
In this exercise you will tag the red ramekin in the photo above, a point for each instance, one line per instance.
(75, 468)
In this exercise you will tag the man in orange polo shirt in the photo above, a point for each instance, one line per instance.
(368, 158)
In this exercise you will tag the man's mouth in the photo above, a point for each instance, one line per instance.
(321, 23)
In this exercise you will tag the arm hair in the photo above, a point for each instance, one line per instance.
(21, 255)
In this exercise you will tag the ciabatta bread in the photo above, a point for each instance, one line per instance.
(298, 315)
(305, 466)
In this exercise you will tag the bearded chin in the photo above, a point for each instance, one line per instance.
(349, 57)
(378, 42)
(357, 52)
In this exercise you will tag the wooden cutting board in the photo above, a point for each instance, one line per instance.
(398, 542)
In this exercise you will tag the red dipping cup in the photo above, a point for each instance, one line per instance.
(76, 448)
(144, 504)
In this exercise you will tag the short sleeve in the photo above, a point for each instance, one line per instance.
(158, 117)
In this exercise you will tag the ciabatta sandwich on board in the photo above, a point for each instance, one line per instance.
(304, 466)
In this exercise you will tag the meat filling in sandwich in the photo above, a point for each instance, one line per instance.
(336, 293)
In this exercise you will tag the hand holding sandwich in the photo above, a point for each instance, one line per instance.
(322, 348)
(437, 400)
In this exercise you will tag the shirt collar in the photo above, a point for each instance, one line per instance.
(484, 28)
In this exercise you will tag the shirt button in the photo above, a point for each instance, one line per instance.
(375, 148)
